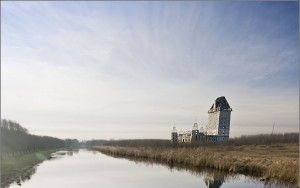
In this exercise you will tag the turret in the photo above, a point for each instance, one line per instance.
(174, 135)
(195, 132)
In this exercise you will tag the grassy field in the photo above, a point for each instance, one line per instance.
(20, 166)
(271, 162)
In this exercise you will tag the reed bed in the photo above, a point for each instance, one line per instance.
(271, 162)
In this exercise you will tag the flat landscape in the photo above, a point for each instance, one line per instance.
(149, 94)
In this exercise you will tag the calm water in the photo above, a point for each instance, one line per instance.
(92, 169)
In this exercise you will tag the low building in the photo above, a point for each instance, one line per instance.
(185, 137)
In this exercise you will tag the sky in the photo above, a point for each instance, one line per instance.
(117, 70)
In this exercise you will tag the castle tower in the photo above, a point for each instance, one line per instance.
(174, 135)
(219, 118)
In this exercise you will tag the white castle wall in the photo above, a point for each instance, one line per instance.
(213, 123)
(219, 123)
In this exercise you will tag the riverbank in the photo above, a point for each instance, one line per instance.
(20, 167)
(269, 162)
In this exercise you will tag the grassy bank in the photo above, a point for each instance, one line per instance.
(272, 162)
(19, 167)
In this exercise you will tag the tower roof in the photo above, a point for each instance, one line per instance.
(221, 104)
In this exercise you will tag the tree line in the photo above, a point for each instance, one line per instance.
(261, 139)
(279, 138)
(15, 138)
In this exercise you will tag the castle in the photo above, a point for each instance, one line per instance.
(218, 127)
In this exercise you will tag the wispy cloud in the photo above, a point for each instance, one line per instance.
(129, 69)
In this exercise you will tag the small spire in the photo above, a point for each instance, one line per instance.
(174, 130)
(195, 127)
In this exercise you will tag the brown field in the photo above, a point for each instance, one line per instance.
(271, 162)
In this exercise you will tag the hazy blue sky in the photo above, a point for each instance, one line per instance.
(131, 69)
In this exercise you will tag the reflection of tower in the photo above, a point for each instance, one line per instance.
(195, 132)
(174, 135)
(214, 181)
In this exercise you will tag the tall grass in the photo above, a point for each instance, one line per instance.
(272, 156)
(274, 162)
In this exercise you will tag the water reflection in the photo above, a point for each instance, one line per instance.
(26, 174)
(71, 152)
(215, 180)
(211, 178)
(84, 168)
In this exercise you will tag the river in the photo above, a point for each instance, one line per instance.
(86, 169)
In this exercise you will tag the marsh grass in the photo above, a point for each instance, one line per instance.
(272, 162)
